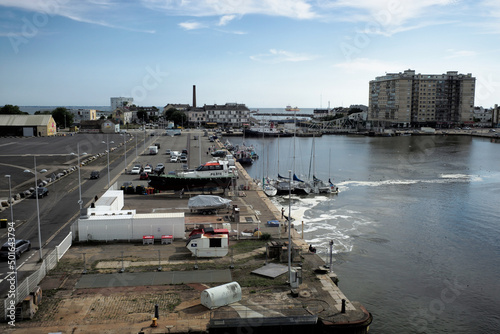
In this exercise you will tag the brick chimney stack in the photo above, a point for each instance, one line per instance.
(194, 96)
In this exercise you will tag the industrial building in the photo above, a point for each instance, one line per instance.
(410, 99)
(27, 125)
(107, 221)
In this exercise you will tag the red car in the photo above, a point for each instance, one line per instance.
(143, 176)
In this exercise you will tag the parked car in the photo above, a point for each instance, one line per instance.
(183, 159)
(42, 191)
(173, 158)
(185, 151)
(94, 174)
(167, 151)
(148, 169)
(219, 153)
(159, 169)
(136, 170)
(21, 246)
(143, 176)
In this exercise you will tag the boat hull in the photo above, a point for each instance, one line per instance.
(178, 183)
(260, 134)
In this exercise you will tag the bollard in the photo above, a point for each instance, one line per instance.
(154, 323)
(343, 306)
(157, 314)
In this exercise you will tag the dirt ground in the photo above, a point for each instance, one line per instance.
(67, 309)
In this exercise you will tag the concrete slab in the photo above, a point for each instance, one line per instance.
(153, 278)
(271, 270)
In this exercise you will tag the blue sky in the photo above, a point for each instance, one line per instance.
(267, 53)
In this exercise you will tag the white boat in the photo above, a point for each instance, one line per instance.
(270, 190)
(208, 203)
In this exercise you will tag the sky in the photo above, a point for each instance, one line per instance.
(265, 54)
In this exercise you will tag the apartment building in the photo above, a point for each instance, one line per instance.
(83, 114)
(410, 99)
(229, 114)
(120, 102)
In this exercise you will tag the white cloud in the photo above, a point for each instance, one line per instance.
(385, 17)
(460, 53)
(192, 25)
(298, 9)
(226, 19)
(279, 56)
(87, 12)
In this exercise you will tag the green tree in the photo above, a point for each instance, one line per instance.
(142, 115)
(169, 112)
(44, 112)
(9, 109)
(179, 118)
(62, 117)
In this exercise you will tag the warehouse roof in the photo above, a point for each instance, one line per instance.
(25, 120)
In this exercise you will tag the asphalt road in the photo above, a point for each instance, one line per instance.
(60, 208)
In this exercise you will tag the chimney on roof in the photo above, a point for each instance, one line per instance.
(194, 96)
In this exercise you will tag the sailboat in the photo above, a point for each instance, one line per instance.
(333, 188)
(318, 186)
(267, 187)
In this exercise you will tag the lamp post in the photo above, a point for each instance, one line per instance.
(80, 201)
(107, 142)
(37, 205)
(125, 143)
(289, 225)
(12, 220)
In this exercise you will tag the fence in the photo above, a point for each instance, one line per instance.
(31, 282)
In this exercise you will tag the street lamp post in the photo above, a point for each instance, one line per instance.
(125, 143)
(80, 201)
(107, 142)
(37, 205)
(289, 225)
(12, 220)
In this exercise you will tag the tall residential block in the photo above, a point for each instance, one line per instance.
(409, 99)
(120, 102)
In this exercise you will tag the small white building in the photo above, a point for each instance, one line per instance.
(107, 221)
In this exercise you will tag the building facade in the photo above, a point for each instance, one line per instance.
(120, 102)
(410, 99)
(83, 114)
(27, 125)
(229, 114)
(122, 116)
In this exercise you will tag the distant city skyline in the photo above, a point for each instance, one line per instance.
(266, 54)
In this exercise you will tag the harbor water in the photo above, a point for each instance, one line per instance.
(415, 227)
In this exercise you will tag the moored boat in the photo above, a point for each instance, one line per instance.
(289, 108)
(209, 176)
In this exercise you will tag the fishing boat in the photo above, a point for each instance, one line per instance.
(289, 108)
(209, 176)
(265, 130)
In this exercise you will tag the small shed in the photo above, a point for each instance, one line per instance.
(221, 295)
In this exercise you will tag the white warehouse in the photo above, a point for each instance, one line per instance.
(108, 222)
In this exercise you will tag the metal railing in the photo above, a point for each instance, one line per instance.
(30, 283)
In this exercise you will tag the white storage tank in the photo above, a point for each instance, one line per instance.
(221, 295)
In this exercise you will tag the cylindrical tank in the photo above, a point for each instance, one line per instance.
(221, 295)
